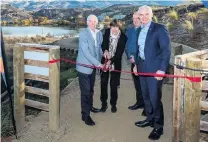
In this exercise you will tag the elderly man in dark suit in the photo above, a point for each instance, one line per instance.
(153, 57)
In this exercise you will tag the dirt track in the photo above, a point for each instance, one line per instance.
(118, 127)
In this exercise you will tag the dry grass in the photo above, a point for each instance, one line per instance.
(6, 120)
(170, 26)
(11, 41)
(173, 15)
(26, 39)
(155, 19)
(204, 137)
(188, 25)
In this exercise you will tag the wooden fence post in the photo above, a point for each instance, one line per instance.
(193, 91)
(19, 87)
(54, 90)
(177, 102)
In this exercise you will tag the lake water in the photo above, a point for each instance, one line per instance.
(38, 30)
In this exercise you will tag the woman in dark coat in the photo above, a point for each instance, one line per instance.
(113, 46)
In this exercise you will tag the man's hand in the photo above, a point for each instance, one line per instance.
(101, 66)
(106, 54)
(108, 66)
(159, 72)
(135, 70)
(132, 59)
(1, 66)
(108, 63)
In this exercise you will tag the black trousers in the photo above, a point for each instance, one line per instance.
(152, 95)
(86, 83)
(119, 79)
(114, 81)
(137, 85)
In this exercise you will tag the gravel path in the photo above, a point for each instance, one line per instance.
(118, 127)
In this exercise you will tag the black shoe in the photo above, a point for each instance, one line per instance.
(136, 106)
(155, 134)
(95, 110)
(88, 121)
(144, 123)
(113, 109)
(143, 113)
(103, 108)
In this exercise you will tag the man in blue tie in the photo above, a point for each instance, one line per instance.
(130, 51)
(153, 57)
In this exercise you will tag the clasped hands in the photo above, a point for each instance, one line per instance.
(106, 55)
(106, 66)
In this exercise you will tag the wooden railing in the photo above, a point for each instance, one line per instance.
(31, 62)
(189, 97)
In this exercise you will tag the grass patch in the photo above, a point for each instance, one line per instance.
(65, 76)
(6, 120)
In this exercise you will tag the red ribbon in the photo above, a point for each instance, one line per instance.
(192, 79)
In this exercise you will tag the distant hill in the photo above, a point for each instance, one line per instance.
(10, 13)
(63, 14)
(38, 5)
(119, 10)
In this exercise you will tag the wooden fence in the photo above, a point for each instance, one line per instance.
(31, 62)
(189, 98)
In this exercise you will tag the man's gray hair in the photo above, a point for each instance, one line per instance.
(145, 7)
(136, 13)
(92, 16)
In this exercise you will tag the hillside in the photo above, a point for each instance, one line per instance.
(38, 5)
(63, 14)
(10, 13)
(191, 27)
(60, 10)
(180, 25)
(76, 16)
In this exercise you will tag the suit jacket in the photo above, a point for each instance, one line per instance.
(88, 53)
(131, 48)
(116, 59)
(157, 48)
